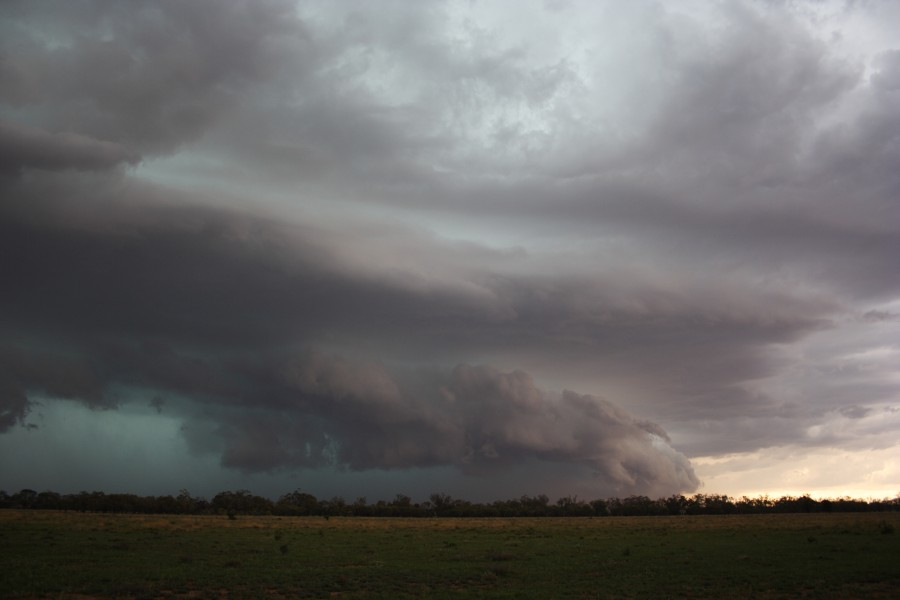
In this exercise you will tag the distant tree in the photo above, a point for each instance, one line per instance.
(535, 506)
(240, 502)
(748, 505)
(48, 500)
(441, 504)
(168, 505)
(571, 506)
(187, 504)
(464, 508)
(302, 503)
(338, 505)
(676, 504)
(381, 509)
(791, 504)
(600, 507)
(807, 504)
(24, 498)
(297, 503)
(333, 507)
(715, 504)
(506, 508)
(360, 507)
(641, 506)
(402, 500)
(402, 506)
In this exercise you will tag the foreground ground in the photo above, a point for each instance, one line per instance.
(45, 554)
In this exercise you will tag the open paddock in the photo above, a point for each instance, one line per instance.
(69, 555)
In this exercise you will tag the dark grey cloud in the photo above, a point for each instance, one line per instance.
(27, 147)
(150, 76)
(14, 404)
(187, 275)
(58, 375)
(879, 315)
(121, 299)
(312, 411)
(126, 293)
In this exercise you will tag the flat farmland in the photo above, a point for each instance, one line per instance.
(69, 555)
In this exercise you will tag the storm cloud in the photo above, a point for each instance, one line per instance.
(593, 247)
(120, 304)
(31, 148)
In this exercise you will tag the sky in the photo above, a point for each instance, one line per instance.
(478, 248)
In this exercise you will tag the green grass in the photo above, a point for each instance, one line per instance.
(46, 554)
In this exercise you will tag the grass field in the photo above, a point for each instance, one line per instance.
(45, 554)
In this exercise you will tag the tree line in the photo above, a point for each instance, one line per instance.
(300, 503)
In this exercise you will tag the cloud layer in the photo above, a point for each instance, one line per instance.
(298, 227)
(120, 298)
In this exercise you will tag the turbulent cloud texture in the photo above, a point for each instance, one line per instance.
(117, 304)
(340, 238)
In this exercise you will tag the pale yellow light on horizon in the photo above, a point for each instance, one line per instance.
(795, 470)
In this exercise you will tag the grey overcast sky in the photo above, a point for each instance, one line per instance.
(480, 248)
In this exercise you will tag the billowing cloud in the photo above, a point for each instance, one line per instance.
(24, 147)
(295, 227)
(476, 419)
(280, 412)
(150, 77)
(313, 411)
(13, 404)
